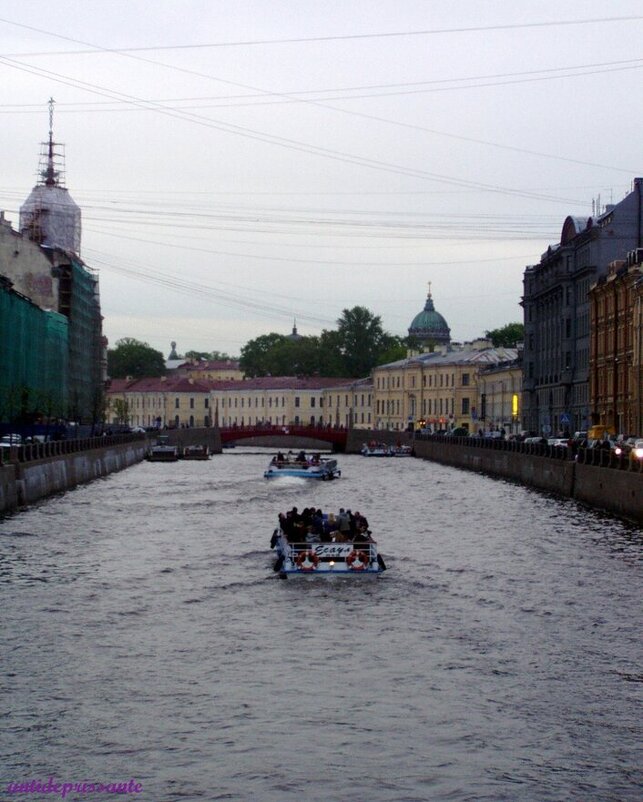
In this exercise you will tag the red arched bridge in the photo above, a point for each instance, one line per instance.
(327, 434)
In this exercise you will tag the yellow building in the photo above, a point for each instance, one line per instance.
(349, 405)
(280, 401)
(211, 370)
(159, 402)
(499, 403)
(436, 390)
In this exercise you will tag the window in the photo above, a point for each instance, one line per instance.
(192, 403)
(207, 403)
(176, 403)
(465, 406)
(296, 401)
(465, 379)
(312, 404)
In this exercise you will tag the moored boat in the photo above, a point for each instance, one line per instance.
(196, 452)
(303, 466)
(162, 451)
(375, 449)
(315, 550)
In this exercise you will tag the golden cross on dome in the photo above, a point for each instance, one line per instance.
(429, 289)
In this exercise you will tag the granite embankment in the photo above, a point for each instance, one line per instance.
(595, 479)
(35, 471)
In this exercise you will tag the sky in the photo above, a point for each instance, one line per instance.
(242, 166)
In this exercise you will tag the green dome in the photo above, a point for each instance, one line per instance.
(430, 325)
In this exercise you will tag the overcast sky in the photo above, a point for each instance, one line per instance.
(242, 164)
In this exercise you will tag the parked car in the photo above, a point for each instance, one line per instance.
(558, 442)
(637, 450)
(137, 430)
(8, 440)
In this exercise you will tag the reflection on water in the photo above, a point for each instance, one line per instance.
(145, 635)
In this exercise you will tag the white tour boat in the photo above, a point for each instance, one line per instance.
(306, 467)
(374, 449)
(342, 557)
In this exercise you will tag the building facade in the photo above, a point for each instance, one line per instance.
(438, 390)
(42, 263)
(173, 402)
(556, 305)
(615, 346)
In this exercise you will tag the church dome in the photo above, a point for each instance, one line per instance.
(428, 326)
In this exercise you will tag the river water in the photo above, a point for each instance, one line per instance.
(146, 637)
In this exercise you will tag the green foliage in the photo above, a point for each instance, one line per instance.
(214, 356)
(255, 357)
(352, 350)
(134, 358)
(362, 340)
(507, 336)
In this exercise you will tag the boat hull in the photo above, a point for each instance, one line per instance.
(324, 469)
(309, 560)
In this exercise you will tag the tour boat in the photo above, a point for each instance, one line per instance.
(162, 451)
(374, 449)
(196, 452)
(303, 466)
(294, 560)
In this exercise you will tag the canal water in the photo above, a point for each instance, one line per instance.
(146, 637)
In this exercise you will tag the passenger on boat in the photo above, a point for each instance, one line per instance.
(280, 458)
(343, 521)
(301, 458)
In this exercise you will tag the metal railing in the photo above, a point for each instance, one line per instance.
(599, 457)
(29, 452)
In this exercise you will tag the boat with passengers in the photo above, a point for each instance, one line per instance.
(376, 449)
(315, 544)
(305, 466)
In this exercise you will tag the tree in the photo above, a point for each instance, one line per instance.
(396, 349)
(506, 336)
(134, 358)
(362, 340)
(255, 354)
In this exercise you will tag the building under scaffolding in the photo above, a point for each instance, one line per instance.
(42, 264)
(34, 377)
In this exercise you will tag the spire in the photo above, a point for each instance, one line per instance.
(49, 173)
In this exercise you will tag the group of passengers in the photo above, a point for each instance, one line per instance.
(300, 459)
(311, 525)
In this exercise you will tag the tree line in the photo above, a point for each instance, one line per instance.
(352, 350)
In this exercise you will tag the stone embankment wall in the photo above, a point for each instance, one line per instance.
(603, 487)
(206, 436)
(23, 482)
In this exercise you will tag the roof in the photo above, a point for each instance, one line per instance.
(212, 364)
(429, 323)
(183, 384)
(485, 356)
(283, 383)
(178, 384)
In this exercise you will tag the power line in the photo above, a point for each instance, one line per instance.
(329, 38)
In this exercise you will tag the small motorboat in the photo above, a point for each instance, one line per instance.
(162, 451)
(303, 466)
(196, 452)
